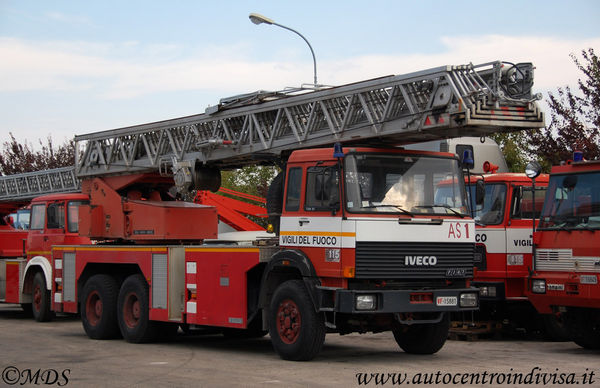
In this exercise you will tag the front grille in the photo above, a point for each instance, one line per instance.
(386, 260)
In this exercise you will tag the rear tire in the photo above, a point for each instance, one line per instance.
(425, 338)
(99, 307)
(297, 330)
(40, 308)
(133, 311)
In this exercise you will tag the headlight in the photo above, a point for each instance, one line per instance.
(487, 291)
(483, 291)
(538, 286)
(468, 299)
(366, 302)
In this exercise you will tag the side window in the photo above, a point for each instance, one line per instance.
(56, 216)
(73, 215)
(523, 206)
(322, 189)
(292, 198)
(38, 217)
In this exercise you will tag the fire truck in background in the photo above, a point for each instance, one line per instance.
(360, 243)
(504, 225)
(567, 250)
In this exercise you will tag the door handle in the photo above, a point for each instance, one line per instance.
(303, 221)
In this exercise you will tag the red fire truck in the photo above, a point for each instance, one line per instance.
(567, 250)
(503, 261)
(359, 244)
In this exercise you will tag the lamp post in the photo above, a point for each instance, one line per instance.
(259, 19)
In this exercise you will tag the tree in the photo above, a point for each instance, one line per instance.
(513, 146)
(18, 157)
(253, 180)
(575, 119)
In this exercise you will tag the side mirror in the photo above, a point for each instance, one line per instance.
(533, 170)
(479, 192)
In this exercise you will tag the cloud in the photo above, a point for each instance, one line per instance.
(69, 19)
(554, 67)
(107, 71)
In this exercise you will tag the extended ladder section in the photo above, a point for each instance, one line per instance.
(26, 186)
(443, 102)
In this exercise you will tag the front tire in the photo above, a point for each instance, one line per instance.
(133, 311)
(99, 307)
(425, 338)
(40, 308)
(584, 327)
(297, 331)
(554, 328)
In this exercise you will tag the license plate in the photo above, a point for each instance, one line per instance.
(446, 301)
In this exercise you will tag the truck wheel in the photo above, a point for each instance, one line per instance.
(584, 328)
(554, 328)
(133, 311)
(99, 307)
(425, 338)
(40, 307)
(297, 331)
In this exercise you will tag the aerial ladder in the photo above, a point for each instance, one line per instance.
(264, 127)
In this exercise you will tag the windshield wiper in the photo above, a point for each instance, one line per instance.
(444, 206)
(394, 206)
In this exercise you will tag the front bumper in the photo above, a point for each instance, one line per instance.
(564, 289)
(404, 301)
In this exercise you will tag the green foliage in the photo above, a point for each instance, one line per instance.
(513, 146)
(18, 157)
(253, 180)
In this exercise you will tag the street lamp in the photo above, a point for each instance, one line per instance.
(259, 19)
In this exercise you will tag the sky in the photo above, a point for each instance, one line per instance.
(75, 67)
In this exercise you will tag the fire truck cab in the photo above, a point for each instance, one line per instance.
(567, 251)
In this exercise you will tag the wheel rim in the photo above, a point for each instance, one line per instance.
(37, 297)
(93, 308)
(131, 310)
(289, 321)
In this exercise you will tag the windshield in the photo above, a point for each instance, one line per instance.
(572, 202)
(492, 211)
(379, 183)
(22, 219)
